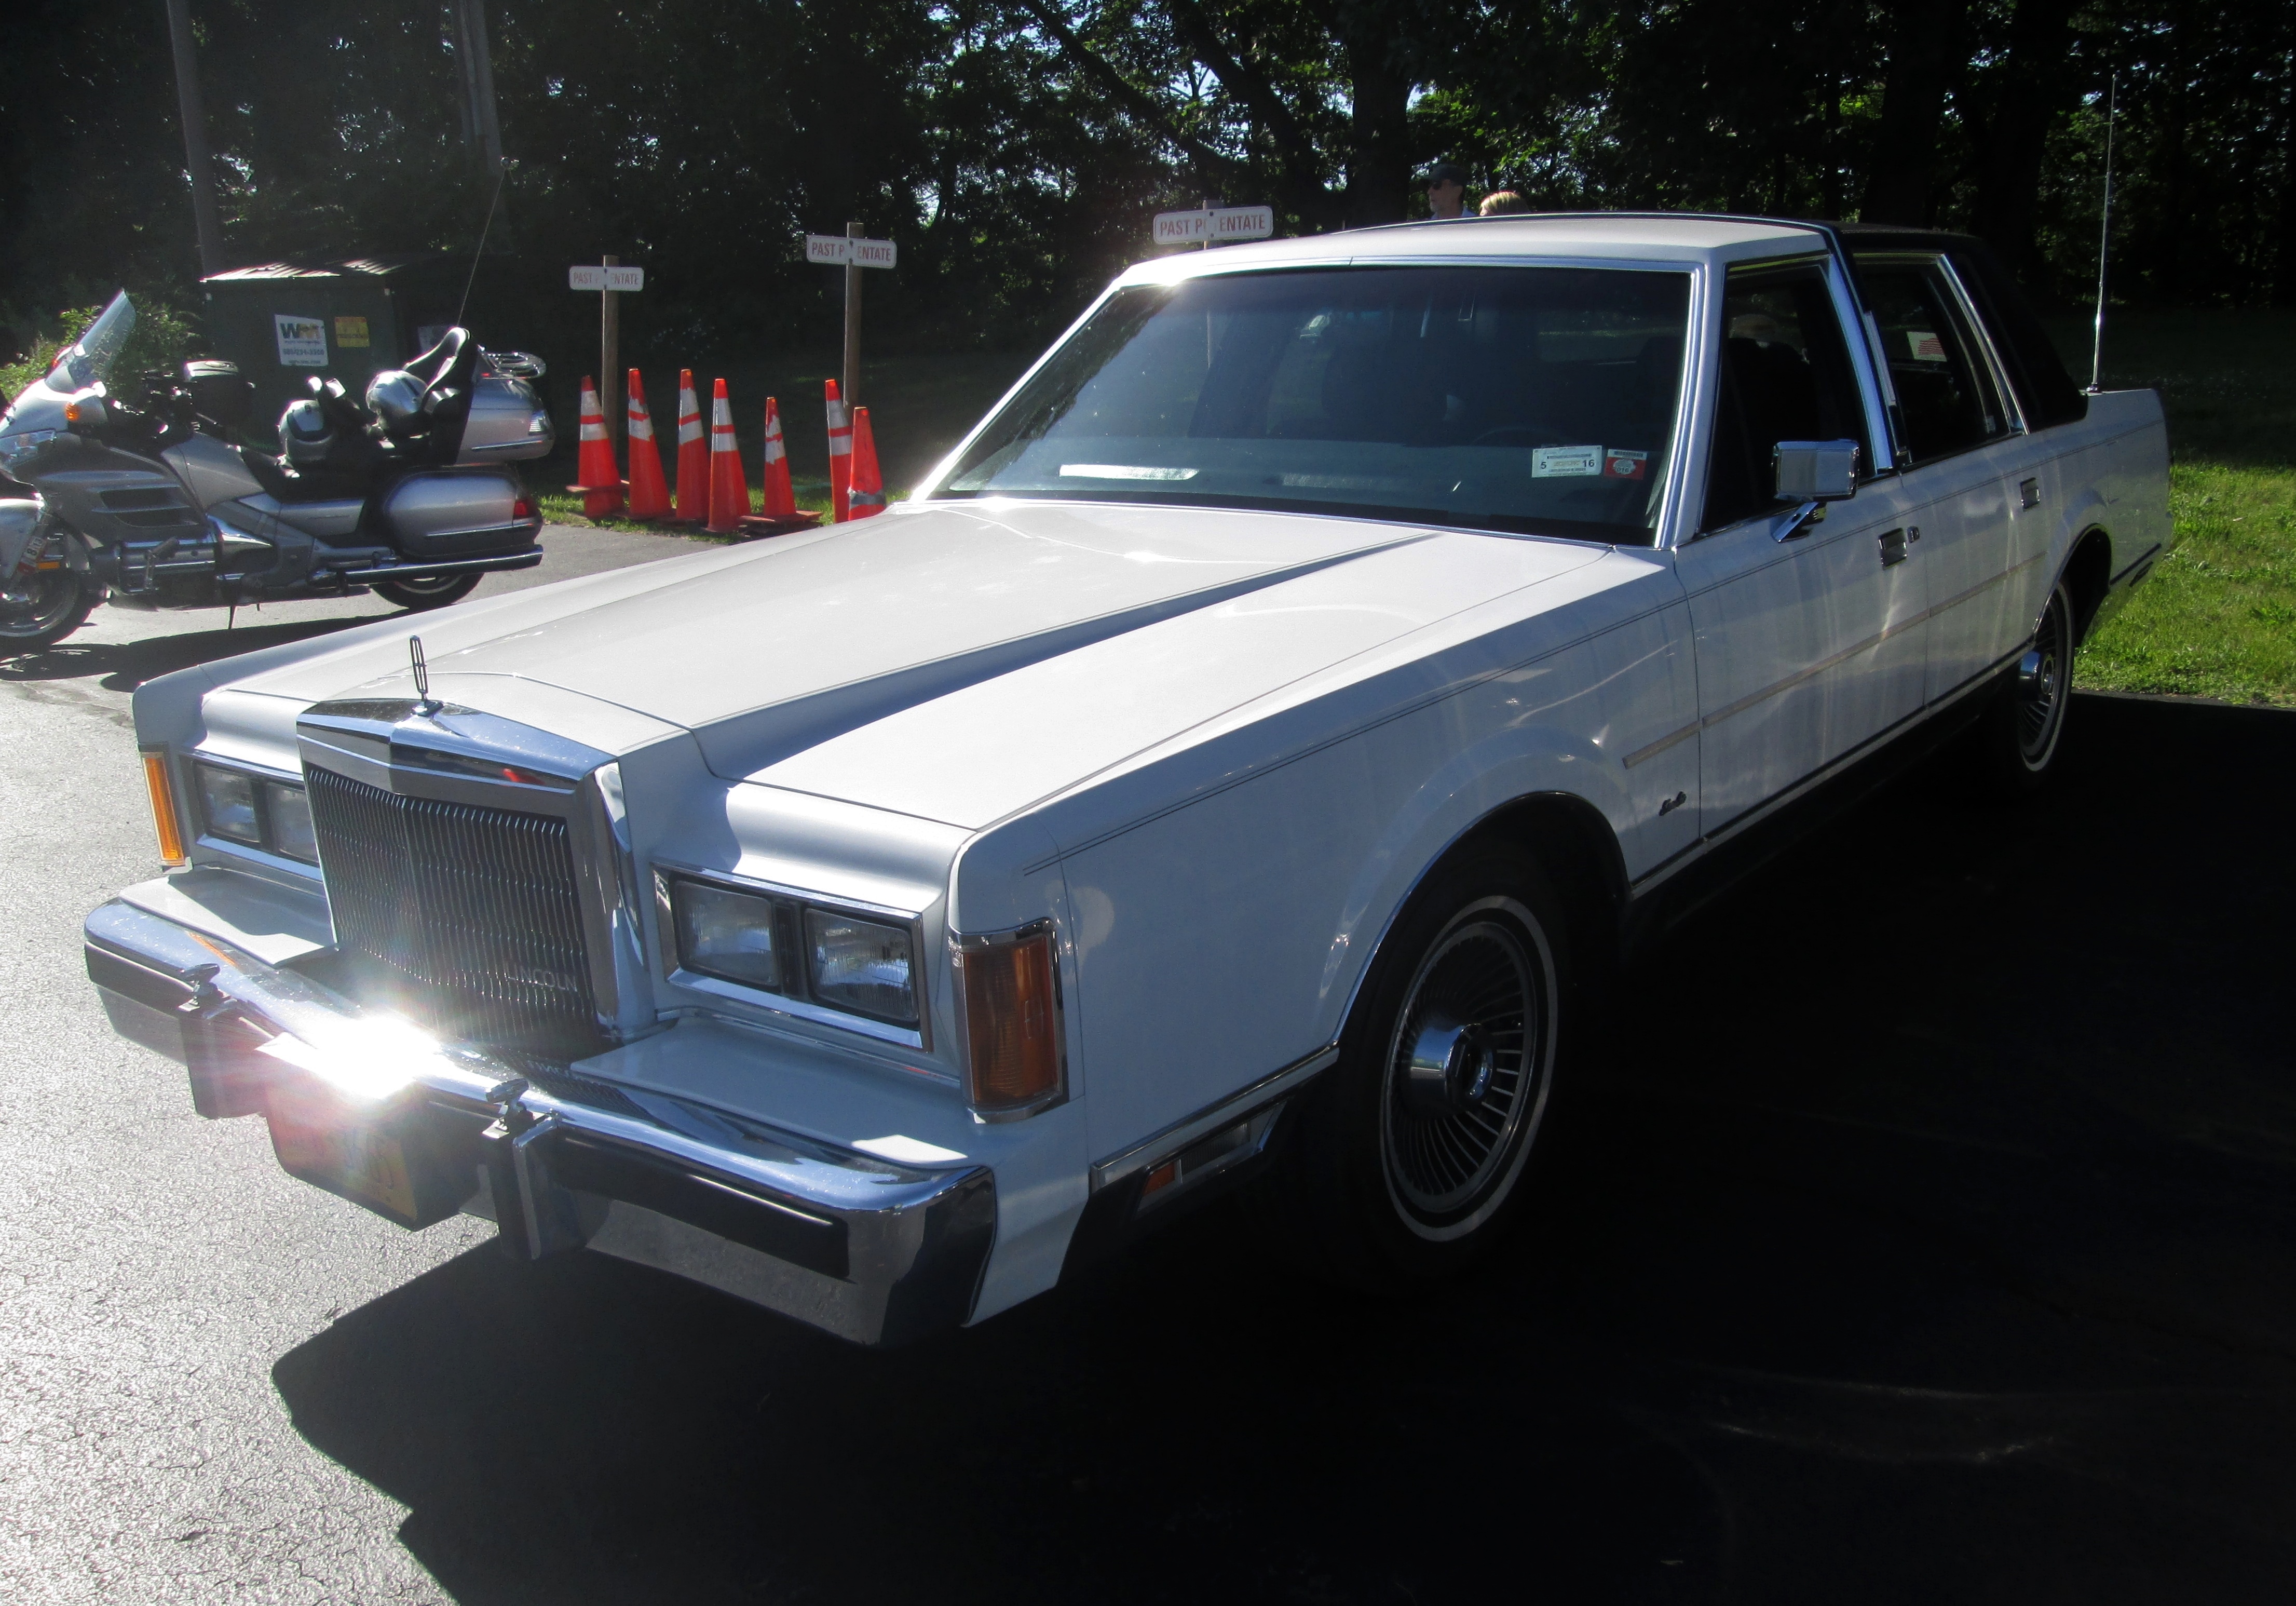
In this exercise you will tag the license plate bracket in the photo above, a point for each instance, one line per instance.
(404, 1158)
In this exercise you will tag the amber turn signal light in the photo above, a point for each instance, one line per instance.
(161, 783)
(1009, 991)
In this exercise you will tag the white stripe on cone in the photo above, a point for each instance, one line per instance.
(775, 451)
(689, 417)
(721, 423)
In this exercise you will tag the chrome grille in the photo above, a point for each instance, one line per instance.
(467, 918)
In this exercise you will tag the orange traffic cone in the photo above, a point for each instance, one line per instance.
(600, 489)
(841, 456)
(729, 491)
(693, 455)
(649, 492)
(780, 515)
(868, 494)
(780, 498)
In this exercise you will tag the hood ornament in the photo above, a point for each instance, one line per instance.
(423, 706)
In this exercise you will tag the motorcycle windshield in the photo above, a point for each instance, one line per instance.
(89, 361)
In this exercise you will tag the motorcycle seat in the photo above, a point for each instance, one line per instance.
(328, 483)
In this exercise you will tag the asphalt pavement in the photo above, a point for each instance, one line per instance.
(1927, 1236)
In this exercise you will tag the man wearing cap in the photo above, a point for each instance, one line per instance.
(1446, 190)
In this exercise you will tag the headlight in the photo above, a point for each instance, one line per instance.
(817, 955)
(861, 966)
(227, 799)
(23, 443)
(289, 809)
(728, 934)
(274, 815)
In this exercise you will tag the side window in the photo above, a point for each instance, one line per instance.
(1786, 375)
(1946, 391)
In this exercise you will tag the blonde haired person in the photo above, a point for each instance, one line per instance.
(1499, 202)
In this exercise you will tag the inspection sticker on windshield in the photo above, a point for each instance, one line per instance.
(1619, 464)
(1565, 462)
(302, 341)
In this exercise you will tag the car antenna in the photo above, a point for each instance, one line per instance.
(2103, 239)
(501, 178)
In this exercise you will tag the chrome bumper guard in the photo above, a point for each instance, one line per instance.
(362, 1106)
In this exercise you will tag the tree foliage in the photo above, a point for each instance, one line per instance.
(1016, 148)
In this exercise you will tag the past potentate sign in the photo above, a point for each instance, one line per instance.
(589, 276)
(842, 250)
(1212, 225)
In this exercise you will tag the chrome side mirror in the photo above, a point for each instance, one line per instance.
(517, 365)
(1814, 471)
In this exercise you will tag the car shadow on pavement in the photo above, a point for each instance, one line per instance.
(125, 666)
(1929, 1235)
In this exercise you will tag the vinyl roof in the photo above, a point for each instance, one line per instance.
(1670, 237)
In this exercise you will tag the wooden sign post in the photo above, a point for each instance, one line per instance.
(853, 253)
(613, 282)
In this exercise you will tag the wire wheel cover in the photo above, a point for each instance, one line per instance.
(2041, 694)
(1462, 1071)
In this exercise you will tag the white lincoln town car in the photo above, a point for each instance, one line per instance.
(1239, 765)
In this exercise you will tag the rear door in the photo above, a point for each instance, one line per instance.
(1810, 638)
(1972, 470)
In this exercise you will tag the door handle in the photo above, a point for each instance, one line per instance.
(1894, 545)
(2029, 493)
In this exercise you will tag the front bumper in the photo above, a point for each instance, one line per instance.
(360, 1105)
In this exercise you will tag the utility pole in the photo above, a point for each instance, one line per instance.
(851, 387)
(481, 129)
(195, 139)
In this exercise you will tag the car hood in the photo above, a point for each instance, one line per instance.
(951, 661)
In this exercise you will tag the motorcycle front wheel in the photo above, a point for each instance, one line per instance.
(39, 607)
(426, 591)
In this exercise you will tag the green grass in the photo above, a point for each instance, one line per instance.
(2218, 618)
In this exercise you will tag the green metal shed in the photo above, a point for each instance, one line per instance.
(284, 322)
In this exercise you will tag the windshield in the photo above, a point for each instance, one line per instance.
(90, 359)
(1530, 400)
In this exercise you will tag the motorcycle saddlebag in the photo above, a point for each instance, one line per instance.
(456, 513)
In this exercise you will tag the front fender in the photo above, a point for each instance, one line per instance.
(1476, 784)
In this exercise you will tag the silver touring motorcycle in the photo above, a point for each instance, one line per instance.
(412, 496)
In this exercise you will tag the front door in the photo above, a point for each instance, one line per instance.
(1810, 645)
